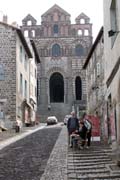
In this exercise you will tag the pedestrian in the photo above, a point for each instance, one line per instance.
(73, 127)
(88, 126)
(18, 124)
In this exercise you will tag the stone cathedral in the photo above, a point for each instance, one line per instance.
(62, 47)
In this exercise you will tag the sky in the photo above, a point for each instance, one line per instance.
(16, 10)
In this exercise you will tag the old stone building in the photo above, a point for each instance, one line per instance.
(16, 58)
(63, 48)
(94, 66)
(112, 71)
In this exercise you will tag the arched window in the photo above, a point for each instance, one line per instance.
(33, 33)
(78, 88)
(82, 21)
(26, 33)
(29, 23)
(56, 85)
(56, 51)
(2, 73)
(86, 32)
(79, 32)
(79, 50)
(55, 29)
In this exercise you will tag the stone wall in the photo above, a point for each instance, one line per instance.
(8, 66)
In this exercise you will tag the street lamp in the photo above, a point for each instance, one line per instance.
(112, 33)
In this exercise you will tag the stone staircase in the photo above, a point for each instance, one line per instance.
(92, 164)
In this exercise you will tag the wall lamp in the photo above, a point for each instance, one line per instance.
(112, 33)
(95, 87)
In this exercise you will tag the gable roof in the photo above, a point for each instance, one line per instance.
(82, 15)
(29, 16)
(93, 47)
(55, 6)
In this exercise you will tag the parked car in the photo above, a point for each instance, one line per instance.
(66, 119)
(51, 120)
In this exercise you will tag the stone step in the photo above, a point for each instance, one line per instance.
(87, 164)
(103, 176)
(89, 171)
(89, 154)
(89, 158)
(89, 151)
(94, 166)
(105, 160)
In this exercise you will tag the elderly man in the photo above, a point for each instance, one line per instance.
(72, 126)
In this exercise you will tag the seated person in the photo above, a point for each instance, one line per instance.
(83, 134)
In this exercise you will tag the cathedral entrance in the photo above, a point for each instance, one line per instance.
(56, 88)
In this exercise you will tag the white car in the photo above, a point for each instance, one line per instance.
(51, 120)
(66, 119)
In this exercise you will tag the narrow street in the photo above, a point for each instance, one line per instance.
(26, 159)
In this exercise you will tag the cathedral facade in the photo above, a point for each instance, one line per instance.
(62, 47)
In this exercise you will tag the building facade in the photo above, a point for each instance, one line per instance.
(94, 66)
(112, 70)
(15, 56)
(63, 48)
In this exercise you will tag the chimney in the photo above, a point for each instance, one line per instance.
(5, 19)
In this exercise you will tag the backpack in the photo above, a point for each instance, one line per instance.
(88, 124)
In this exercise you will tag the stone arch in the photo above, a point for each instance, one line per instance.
(49, 74)
(56, 88)
(55, 69)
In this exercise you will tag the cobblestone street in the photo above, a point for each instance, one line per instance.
(40, 157)
(26, 159)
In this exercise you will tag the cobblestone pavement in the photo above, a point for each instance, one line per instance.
(64, 163)
(26, 159)
(56, 168)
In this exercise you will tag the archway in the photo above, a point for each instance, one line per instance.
(56, 88)
(78, 88)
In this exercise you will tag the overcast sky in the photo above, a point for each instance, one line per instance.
(18, 9)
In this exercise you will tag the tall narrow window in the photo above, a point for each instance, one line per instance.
(98, 69)
(2, 73)
(55, 29)
(56, 51)
(21, 52)
(78, 88)
(86, 32)
(80, 32)
(21, 83)
(33, 33)
(25, 92)
(26, 33)
(79, 50)
(113, 20)
(25, 62)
